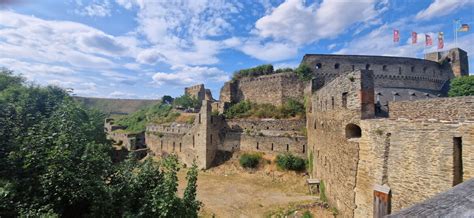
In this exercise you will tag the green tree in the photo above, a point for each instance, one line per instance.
(167, 99)
(187, 101)
(304, 72)
(55, 161)
(462, 86)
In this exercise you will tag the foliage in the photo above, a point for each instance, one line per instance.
(310, 162)
(284, 70)
(250, 160)
(158, 113)
(243, 109)
(186, 101)
(290, 162)
(307, 214)
(55, 161)
(304, 72)
(167, 99)
(322, 192)
(462, 86)
(265, 69)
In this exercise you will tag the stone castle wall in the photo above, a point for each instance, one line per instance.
(336, 157)
(396, 72)
(448, 109)
(265, 135)
(413, 153)
(199, 92)
(271, 89)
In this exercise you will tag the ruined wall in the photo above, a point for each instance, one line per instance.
(271, 89)
(197, 142)
(197, 91)
(265, 135)
(413, 153)
(269, 144)
(335, 156)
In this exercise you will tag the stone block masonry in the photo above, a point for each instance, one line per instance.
(270, 89)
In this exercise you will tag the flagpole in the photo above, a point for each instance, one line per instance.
(456, 21)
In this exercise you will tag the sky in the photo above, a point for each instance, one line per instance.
(147, 49)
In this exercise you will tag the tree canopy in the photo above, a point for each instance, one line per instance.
(462, 86)
(56, 161)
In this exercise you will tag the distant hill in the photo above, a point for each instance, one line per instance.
(115, 106)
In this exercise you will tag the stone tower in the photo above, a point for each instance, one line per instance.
(455, 57)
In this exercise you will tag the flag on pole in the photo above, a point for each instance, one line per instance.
(464, 28)
(396, 36)
(428, 40)
(440, 40)
(414, 36)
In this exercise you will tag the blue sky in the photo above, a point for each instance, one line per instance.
(146, 49)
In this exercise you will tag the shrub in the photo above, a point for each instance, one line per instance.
(158, 113)
(187, 101)
(304, 72)
(238, 110)
(265, 69)
(290, 162)
(250, 160)
(307, 214)
(284, 70)
(462, 86)
(290, 108)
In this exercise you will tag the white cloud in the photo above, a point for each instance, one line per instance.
(270, 51)
(442, 7)
(301, 24)
(95, 9)
(60, 42)
(178, 32)
(186, 75)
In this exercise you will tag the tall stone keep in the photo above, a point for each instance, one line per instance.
(455, 58)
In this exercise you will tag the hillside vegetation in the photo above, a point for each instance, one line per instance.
(56, 162)
(247, 109)
(160, 113)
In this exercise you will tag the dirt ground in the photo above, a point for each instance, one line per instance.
(230, 191)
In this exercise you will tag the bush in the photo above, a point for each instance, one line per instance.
(307, 214)
(158, 113)
(265, 69)
(290, 162)
(187, 101)
(250, 160)
(462, 86)
(244, 109)
(304, 72)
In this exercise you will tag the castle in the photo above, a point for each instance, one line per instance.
(381, 133)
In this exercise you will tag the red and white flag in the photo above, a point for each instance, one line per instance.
(428, 40)
(414, 36)
(440, 40)
(396, 36)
